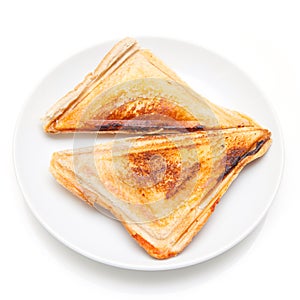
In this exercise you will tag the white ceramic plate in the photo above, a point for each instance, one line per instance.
(103, 239)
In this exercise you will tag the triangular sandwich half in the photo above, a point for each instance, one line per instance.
(162, 188)
(132, 91)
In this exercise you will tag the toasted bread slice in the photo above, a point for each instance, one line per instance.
(162, 188)
(133, 91)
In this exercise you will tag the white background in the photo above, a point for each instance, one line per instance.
(260, 37)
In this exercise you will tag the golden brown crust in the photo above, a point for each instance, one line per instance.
(169, 235)
(199, 221)
(119, 53)
(127, 72)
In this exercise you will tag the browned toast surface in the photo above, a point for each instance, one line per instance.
(131, 90)
(163, 189)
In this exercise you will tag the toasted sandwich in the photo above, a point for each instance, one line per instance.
(132, 91)
(162, 188)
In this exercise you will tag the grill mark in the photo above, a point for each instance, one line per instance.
(146, 115)
(190, 173)
(144, 126)
(162, 176)
(233, 159)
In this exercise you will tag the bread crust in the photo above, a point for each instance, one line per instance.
(116, 56)
(195, 217)
(127, 72)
